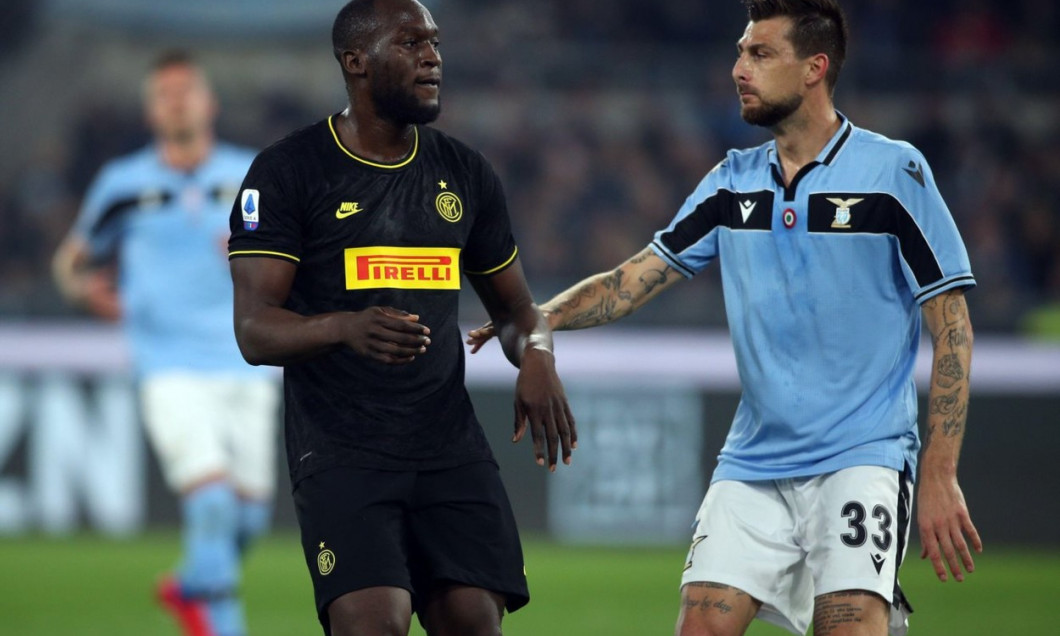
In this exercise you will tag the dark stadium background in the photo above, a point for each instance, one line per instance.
(600, 117)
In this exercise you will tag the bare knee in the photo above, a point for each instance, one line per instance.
(382, 611)
(460, 610)
(713, 609)
(850, 613)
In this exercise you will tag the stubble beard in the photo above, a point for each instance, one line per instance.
(769, 114)
(402, 106)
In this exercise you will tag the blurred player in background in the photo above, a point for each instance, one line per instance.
(149, 248)
(349, 242)
(834, 245)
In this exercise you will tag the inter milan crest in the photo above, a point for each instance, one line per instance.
(842, 212)
(448, 204)
(325, 560)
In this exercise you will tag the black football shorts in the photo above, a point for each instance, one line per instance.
(414, 530)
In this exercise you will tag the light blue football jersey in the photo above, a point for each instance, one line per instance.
(823, 282)
(169, 231)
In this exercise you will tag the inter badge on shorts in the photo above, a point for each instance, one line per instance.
(325, 560)
(250, 203)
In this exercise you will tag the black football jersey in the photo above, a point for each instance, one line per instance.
(368, 234)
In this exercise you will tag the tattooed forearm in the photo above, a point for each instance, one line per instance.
(946, 316)
(653, 278)
(598, 301)
(609, 296)
(954, 425)
(945, 404)
(950, 370)
(957, 338)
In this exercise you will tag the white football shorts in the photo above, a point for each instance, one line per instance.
(785, 542)
(201, 425)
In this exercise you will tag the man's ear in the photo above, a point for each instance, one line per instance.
(354, 62)
(817, 69)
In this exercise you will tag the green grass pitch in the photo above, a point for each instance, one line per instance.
(90, 586)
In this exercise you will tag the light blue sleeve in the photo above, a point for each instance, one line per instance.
(934, 257)
(690, 242)
(92, 225)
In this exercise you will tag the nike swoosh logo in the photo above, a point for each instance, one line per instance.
(342, 214)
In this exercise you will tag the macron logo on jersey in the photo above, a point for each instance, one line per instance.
(250, 203)
(746, 208)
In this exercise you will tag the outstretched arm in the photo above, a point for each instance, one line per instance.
(268, 333)
(602, 298)
(945, 525)
(93, 288)
(527, 342)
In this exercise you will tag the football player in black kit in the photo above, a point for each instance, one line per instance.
(349, 242)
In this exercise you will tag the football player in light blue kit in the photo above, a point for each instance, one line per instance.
(834, 246)
(150, 248)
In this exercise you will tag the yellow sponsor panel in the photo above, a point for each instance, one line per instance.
(403, 267)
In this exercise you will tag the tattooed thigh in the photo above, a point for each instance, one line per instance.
(850, 612)
(707, 603)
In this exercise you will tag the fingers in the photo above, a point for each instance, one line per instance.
(520, 424)
(388, 335)
(930, 551)
(478, 337)
(570, 424)
(564, 432)
(402, 351)
(967, 529)
(552, 433)
(947, 549)
(949, 554)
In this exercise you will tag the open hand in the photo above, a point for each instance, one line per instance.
(541, 404)
(99, 294)
(946, 528)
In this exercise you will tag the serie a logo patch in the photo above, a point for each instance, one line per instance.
(250, 203)
(402, 267)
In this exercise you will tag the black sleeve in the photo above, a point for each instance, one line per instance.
(491, 246)
(266, 217)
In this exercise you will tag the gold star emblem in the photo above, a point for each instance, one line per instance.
(321, 545)
(443, 185)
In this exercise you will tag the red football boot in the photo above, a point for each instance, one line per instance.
(189, 614)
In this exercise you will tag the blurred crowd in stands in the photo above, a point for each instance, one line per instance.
(601, 117)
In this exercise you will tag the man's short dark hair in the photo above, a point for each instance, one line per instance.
(353, 26)
(173, 57)
(819, 26)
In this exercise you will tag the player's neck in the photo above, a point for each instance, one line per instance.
(372, 137)
(802, 136)
(185, 154)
